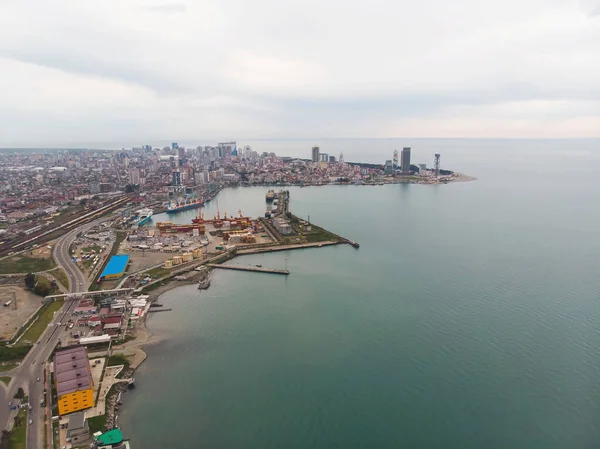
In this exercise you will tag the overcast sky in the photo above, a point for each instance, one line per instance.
(103, 70)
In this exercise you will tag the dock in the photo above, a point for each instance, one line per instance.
(155, 310)
(246, 268)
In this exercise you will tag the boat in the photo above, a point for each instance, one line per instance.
(270, 195)
(143, 216)
(179, 206)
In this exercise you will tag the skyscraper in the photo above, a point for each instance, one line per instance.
(315, 154)
(174, 146)
(406, 160)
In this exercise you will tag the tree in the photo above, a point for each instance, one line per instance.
(30, 281)
(20, 394)
(83, 202)
(130, 188)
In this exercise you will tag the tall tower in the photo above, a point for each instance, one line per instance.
(315, 154)
(341, 160)
(406, 160)
(395, 160)
(436, 164)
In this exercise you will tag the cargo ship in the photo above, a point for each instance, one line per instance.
(270, 196)
(184, 205)
(144, 215)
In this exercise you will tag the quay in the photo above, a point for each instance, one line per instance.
(154, 310)
(245, 268)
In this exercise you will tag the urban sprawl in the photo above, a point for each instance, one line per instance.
(84, 259)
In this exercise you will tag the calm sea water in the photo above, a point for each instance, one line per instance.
(468, 318)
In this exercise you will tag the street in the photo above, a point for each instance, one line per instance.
(33, 365)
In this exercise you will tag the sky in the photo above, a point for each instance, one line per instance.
(130, 70)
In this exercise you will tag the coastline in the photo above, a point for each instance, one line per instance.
(134, 350)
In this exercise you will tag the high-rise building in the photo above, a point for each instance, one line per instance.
(341, 160)
(436, 164)
(174, 146)
(134, 176)
(405, 160)
(73, 380)
(176, 178)
(332, 159)
(324, 157)
(315, 154)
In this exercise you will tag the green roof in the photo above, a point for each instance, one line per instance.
(111, 437)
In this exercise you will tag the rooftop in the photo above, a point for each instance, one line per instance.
(71, 370)
(111, 437)
(116, 265)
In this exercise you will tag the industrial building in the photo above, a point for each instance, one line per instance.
(73, 380)
(116, 267)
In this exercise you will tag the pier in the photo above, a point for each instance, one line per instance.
(155, 310)
(246, 268)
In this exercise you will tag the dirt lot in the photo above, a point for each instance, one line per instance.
(13, 316)
(140, 261)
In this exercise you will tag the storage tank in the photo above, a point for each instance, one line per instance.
(187, 257)
(168, 264)
(177, 260)
(197, 253)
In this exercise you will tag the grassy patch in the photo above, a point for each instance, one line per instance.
(159, 272)
(5, 379)
(9, 353)
(33, 333)
(24, 264)
(92, 248)
(7, 366)
(97, 423)
(118, 359)
(62, 277)
(18, 436)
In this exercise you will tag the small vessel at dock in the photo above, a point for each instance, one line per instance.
(143, 215)
(270, 196)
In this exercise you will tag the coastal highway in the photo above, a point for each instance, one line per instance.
(32, 366)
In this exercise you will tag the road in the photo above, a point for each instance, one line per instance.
(32, 367)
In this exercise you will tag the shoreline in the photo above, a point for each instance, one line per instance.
(134, 350)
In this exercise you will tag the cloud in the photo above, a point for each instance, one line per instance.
(167, 8)
(186, 70)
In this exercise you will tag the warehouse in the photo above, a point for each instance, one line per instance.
(74, 384)
(116, 267)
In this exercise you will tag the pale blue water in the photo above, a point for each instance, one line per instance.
(468, 318)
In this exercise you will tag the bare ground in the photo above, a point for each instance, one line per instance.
(24, 303)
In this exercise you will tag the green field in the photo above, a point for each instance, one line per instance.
(37, 328)
(24, 264)
(97, 423)
(62, 277)
(158, 272)
(89, 249)
(118, 359)
(18, 436)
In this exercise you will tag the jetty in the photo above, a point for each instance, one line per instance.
(246, 268)
(159, 310)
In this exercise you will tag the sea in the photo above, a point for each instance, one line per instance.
(468, 318)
